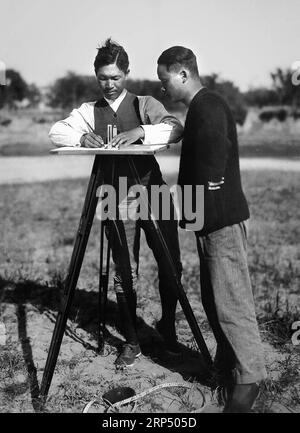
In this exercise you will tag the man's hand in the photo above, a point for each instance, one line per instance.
(91, 140)
(125, 138)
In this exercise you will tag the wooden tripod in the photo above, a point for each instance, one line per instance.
(83, 232)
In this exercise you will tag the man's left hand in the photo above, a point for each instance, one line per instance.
(125, 138)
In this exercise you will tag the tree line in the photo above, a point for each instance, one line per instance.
(72, 89)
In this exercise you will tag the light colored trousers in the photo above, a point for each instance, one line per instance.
(228, 302)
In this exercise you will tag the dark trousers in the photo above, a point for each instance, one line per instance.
(126, 232)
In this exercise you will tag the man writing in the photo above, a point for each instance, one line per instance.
(210, 158)
(135, 118)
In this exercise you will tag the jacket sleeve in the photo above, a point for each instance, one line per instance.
(67, 132)
(158, 124)
(211, 140)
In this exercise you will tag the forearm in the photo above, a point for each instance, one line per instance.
(62, 134)
(159, 125)
(157, 134)
(68, 132)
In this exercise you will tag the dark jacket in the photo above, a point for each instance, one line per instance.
(210, 157)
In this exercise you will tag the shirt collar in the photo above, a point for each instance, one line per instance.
(116, 103)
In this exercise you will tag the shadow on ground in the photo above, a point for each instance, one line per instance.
(84, 312)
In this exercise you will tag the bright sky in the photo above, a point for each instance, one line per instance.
(242, 40)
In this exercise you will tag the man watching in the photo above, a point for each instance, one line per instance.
(210, 157)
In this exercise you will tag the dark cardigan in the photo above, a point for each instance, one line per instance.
(210, 154)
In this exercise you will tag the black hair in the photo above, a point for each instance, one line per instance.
(177, 56)
(109, 53)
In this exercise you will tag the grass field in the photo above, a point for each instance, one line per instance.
(39, 222)
(27, 134)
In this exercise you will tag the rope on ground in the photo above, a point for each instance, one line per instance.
(137, 397)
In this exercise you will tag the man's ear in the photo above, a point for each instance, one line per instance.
(127, 73)
(183, 74)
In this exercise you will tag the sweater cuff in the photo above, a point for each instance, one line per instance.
(157, 134)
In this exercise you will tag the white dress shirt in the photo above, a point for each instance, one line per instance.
(158, 124)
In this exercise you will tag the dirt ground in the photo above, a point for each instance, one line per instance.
(39, 223)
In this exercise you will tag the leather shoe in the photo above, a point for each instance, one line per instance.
(242, 398)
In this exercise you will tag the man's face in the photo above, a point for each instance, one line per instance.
(111, 80)
(171, 81)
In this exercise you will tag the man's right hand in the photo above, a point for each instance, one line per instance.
(91, 140)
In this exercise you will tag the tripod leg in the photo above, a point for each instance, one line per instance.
(104, 274)
(81, 240)
(101, 327)
(183, 300)
(103, 287)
